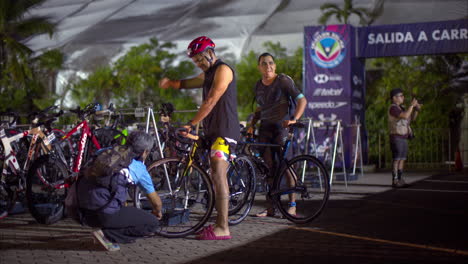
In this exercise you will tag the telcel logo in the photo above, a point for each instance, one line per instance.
(328, 92)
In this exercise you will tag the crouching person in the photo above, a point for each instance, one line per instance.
(102, 198)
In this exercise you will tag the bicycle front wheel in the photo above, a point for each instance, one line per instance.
(304, 180)
(188, 200)
(45, 189)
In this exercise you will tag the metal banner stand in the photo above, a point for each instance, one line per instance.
(338, 139)
(358, 148)
(150, 115)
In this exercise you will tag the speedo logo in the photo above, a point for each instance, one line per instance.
(326, 105)
(328, 92)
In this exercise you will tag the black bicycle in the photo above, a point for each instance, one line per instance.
(185, 187)
(301, 182)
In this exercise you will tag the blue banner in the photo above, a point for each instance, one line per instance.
(334, 86)
(413, 39)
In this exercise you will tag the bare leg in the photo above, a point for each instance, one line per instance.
(221, 188)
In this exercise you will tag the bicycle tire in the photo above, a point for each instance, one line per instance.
(183, 214)
(311, 189)
(242, 188)
(45, 189)
(7, 194)
(64, 147)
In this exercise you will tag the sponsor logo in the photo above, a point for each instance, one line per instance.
(323, 78)
(331, 119)
(357, 94)
(322, 117)
(357, 80)
(326, 105)
(328, 92)
(357, 106)
(327, 49)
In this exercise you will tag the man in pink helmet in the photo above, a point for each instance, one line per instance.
(220, 122)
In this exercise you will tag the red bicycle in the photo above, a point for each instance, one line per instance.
(49, 175)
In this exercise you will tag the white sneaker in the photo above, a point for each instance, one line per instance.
(109, 246)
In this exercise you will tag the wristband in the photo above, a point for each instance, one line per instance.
(189, 123)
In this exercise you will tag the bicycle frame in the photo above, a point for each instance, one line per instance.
(85, 134)
(284, 150)
(10, 157)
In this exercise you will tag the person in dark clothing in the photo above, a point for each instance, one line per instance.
(116, 222)
(220, 122)
(399, 120)
(274, 94)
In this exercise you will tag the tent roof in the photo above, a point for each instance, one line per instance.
(95, 31)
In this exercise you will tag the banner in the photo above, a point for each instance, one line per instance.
(413, 39)
(334, 86)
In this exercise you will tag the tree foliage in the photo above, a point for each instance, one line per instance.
(423, 77)
(132, 81)
(248, 74)
(19, 87)
(366, 16)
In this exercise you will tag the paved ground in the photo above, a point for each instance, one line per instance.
(367, 222)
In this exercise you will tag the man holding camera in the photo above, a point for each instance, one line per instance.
(399, 120)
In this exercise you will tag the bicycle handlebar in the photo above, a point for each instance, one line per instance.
(183, 138)
(10, 114)
(87, 110)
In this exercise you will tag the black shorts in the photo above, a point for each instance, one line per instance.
(273, 134)
(399, 148)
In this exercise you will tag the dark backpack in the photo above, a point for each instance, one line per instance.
(102, 170)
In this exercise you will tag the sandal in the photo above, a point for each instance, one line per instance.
(207, 233)
(269, 212)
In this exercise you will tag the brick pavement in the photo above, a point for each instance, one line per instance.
(353, 229)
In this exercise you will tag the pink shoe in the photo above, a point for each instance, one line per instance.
(207, 233)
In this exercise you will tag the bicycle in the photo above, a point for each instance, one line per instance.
(186, 189)
(13, 178)
(303, 178)
(49, 176)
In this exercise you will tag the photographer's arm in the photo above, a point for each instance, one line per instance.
(408, 114)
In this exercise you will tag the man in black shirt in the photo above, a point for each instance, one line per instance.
(274, 94)
(220, 122)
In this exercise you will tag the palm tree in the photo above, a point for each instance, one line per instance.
(15, 71)
(366, 16)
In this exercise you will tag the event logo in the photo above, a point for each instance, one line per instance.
(327, 49)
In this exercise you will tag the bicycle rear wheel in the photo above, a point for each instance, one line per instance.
(187, 200)
(305, 179)
(7, 194)
(242, 182)
(45, 189)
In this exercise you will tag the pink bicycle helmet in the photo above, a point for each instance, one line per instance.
(199, 45)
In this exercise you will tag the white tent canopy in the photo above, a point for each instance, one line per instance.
(95, 31)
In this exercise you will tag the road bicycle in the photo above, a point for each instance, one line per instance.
(16, 164)
(185, 187)
(49, 176)
(302, 178)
